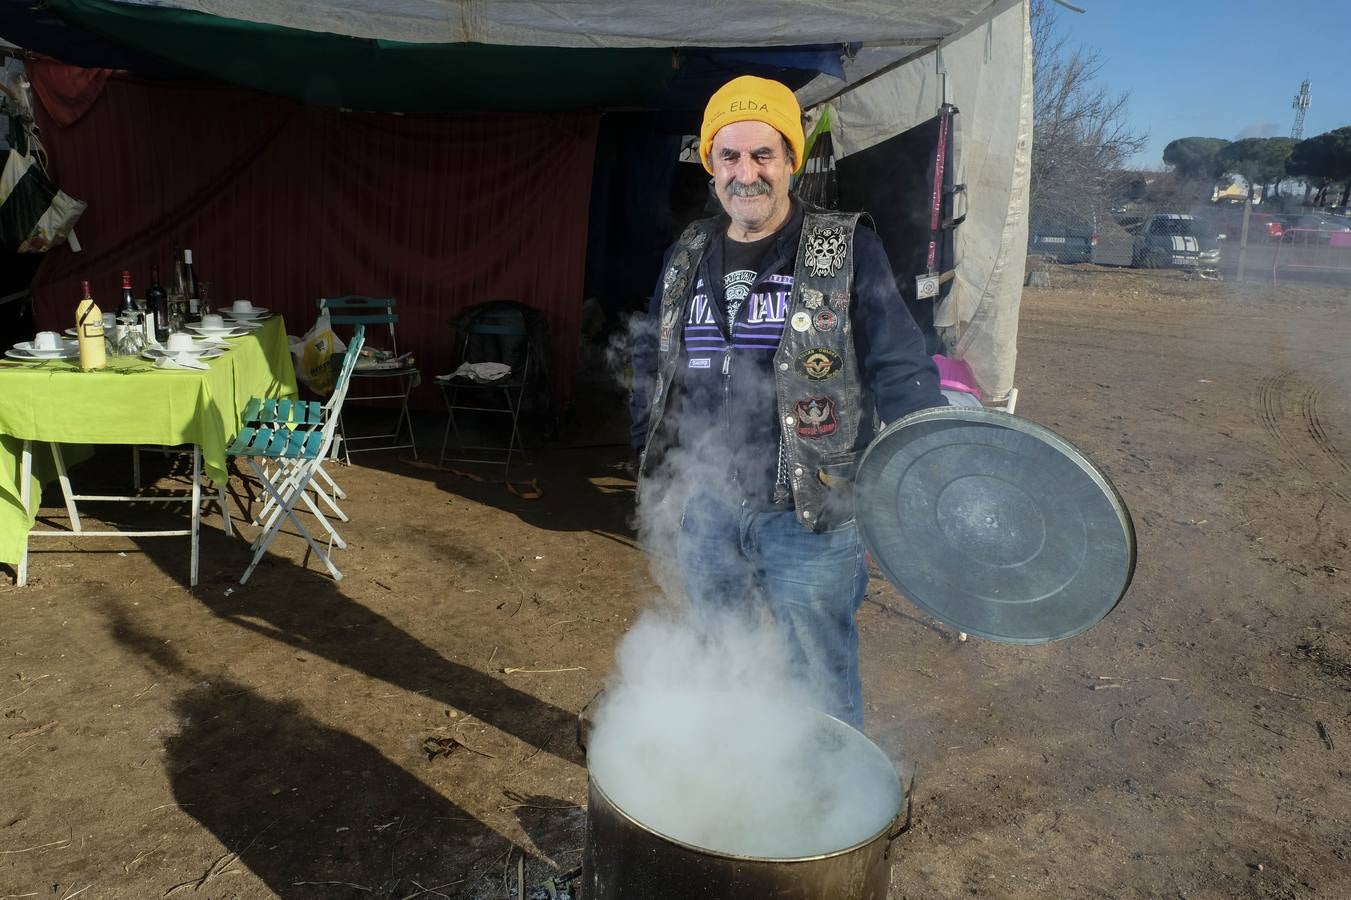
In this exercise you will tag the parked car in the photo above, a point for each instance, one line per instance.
(1176, 240)
(1324, 225)
(1261, 226)
(1066, 239)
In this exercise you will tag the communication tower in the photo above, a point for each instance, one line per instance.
(1300, 106)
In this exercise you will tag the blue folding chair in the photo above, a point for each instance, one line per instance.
(261, 412)
(369, 311)
(285, 460)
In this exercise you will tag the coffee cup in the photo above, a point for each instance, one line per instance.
(180, 341)
(47, 340)
(241, 306)
(211, 320)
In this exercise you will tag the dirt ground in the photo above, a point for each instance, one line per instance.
(280, 739)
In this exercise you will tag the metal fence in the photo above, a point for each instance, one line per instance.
(1313, 250)
(1206, 239)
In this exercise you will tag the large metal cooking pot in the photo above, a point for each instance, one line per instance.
(627, 860)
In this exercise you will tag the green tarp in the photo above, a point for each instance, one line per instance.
(333, 70)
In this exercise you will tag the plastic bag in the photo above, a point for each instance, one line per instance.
(313, 355)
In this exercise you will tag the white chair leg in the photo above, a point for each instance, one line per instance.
(346, 453)
(407, 417)
(328, 526)
(260, 544)
(25, 497)
(328, 479)
(286, 511)
(328, 501)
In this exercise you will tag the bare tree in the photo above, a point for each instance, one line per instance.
(1081, 137)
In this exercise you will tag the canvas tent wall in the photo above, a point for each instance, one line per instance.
(618, 54)
(986, 71)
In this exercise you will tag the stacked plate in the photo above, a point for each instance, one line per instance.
(243, 311)
(201, 348)
(231, 329)
(63, 350)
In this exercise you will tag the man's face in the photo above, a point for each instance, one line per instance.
(752, 171)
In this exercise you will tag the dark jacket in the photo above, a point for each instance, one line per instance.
(730, 398)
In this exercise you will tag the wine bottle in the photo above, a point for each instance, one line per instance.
(89, 331)
(156, 310)
(190, 285)
(126, 311)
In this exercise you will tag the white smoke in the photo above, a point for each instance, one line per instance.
(703, 737)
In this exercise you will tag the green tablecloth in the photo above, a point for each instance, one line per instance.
(131, 402)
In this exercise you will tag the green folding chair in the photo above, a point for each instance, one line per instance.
(370, 311)
(286, 459)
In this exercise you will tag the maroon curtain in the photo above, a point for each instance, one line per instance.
(284, 204)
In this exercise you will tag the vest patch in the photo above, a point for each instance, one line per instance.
(827, 247)
(825, 320)
(702, 362)
(820, 363)
(816, 417)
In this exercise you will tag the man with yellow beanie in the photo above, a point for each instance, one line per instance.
(778, 340)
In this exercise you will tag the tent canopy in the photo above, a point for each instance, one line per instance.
(604, 23)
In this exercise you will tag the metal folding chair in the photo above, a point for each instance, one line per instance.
(286, 459)
(369, 311)
(260, 412)
(500, 325)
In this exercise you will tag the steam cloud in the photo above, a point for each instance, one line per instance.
(704, 737)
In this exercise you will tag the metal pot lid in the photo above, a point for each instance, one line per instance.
(994, 525)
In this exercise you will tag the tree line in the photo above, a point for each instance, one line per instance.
(1323, 161)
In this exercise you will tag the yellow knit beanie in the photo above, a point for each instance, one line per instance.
(752, 99)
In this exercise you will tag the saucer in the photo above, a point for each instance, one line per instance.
(67, 350)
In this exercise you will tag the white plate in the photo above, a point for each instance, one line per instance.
(28, 357)
(65, 351)
(229, 331)
(258, 312)
(198, 352)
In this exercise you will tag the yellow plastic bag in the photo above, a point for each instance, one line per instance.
(313, 355)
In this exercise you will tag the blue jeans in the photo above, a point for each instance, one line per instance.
(813, 584)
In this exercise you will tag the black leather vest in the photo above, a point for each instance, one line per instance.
(816, 374)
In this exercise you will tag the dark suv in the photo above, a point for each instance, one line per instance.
(1064, 239)
(1176, 240)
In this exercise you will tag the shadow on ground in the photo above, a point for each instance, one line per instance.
(312, 811)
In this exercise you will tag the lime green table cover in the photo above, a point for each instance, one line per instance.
(130, 402)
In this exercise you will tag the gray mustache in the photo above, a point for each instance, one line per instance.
(757, 188)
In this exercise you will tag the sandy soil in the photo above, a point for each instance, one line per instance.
(281, 739)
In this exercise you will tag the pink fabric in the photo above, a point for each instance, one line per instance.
(283, 204)
(956, 375)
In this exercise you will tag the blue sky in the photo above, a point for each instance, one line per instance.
(1220, 68)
